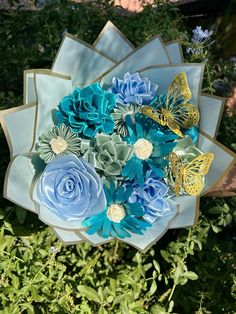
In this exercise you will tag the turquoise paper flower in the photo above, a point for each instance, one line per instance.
(87, 111)
(120, 217)
(151, 146)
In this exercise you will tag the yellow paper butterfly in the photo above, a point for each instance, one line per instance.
(177, 112)
(190, 176)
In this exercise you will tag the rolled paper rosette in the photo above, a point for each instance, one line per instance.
(82, 199)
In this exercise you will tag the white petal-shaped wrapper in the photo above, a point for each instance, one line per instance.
(50, 89)
(188, 211)
(164, 75)
(211, 109)
(140, 58)
(94, 239)
(175, 52)
(68, 237)
(223, 160)
(113, 43)
(18, 182)
(80, 60)
(18, 125)
(29, 92)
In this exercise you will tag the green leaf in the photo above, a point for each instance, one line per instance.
(21, 214)
(190, 275)
(153, 288)
(157, 266)
(89, 293)
(216, 210)
(171, 306)
(216, 229)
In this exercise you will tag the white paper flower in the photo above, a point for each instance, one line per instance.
(78, 64)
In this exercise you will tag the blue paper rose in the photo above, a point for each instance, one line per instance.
(87, 111)
(71, 188)
(133, 90)
(152, 197)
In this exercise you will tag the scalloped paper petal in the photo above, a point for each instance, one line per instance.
(164, 76)
(18, 182)
(29, 92)
(50, 89)
(188, 211)
(141, 57)
(68, 237)
(18, 126)
(175, 52)
(155, 232)
(113, 43)
(80, 60)
(223, 160)
(211, 109)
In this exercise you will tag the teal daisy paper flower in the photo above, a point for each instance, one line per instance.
(120, 217)
(151, 146)
(59, 141)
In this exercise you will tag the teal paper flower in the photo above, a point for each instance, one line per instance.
(59, 141)
(107, 153)
(87, 111)
(119, 218)
(151, 146)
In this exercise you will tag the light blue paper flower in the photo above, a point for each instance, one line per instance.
(120, 217)
(133, 90)
(87, 111)
(150, 148)
(71, 188)
(151, 196)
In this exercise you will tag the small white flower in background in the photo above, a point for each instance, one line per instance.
(54, 250)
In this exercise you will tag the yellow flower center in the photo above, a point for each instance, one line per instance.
(143, 149)
(116, 212)
(58, 145)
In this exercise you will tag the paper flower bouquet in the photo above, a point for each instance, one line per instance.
(114, 142)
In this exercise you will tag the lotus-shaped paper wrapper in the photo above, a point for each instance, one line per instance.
(78, 64)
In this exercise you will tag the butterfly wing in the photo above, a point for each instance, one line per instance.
(173, 125)
(154, 114)
(175, 112)
(176, 169)
(184, 114)
(194, 172)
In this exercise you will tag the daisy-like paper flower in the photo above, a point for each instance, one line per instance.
(87, 111)
(151, 146)
(120, 217)
(59, 141)
(119, 116)
(133, 89)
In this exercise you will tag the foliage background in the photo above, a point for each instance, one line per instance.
(189, 270)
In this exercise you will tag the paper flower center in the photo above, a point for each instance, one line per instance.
(116, 212)
(58, 145)
(143, 149)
